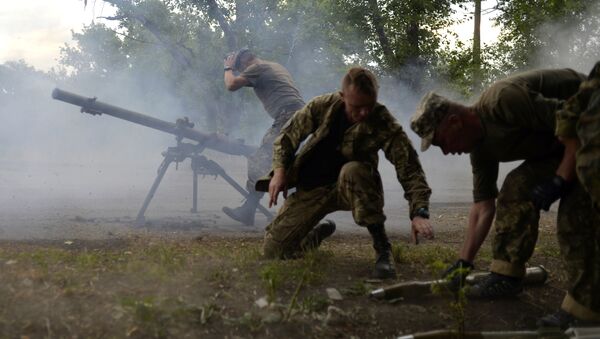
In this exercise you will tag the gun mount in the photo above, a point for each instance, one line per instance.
(181, 129)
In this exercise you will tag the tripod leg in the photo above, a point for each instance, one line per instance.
(162, 169)
(195, 193)
(221, 171)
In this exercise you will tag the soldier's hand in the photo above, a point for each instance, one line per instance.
(277, 184)
(421, 226)
(457, 273)
(546, 193)
(229, 60)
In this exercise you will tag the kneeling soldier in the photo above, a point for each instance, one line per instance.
(337, 170)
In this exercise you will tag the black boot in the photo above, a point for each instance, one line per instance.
(496, 286)
(559, 319)
(384, 267)
(245, 213)
(314, 238)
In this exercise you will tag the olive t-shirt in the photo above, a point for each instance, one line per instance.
(518, 117)
(274, 87)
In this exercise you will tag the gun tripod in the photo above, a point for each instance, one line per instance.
(200, 166)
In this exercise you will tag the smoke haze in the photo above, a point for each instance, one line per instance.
(57, 165)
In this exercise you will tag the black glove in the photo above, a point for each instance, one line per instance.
(457, 273)
(548, 192)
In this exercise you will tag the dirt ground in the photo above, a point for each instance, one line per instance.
(73, 265)
(155, 283)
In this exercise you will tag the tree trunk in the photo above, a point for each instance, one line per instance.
(389, 57)
(477, 47)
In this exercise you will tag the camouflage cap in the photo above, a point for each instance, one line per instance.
(430, 112)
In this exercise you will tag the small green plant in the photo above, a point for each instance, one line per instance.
(399, 252)
(312, 304)
(273, 275)
(458, 304)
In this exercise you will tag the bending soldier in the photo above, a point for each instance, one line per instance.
(514, 119)
(275, 88)
(578, 128)
(336, 169)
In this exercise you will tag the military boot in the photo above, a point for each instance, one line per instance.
(496, 286)
(559, 319)
(245, 213)
(315, 237)
(384, 266)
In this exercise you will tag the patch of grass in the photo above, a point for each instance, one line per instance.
(313, 304)
(250, 320)
(221, 276)
(425, 254)
(308, 270)
(273, 275)
(359, 288)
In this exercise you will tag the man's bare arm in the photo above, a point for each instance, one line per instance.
(566, 169)
(232, 82)
(480, 220)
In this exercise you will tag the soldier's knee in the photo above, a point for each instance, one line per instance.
(355, 169)
(272, 249)
(516, 187)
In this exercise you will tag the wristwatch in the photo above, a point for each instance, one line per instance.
(227, 69)
(422, 212)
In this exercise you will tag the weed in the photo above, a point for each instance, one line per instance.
(273, 274)
(313, 304)
(358, 289)
(399, 251)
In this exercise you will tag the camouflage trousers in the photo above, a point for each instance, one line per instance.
(579, 239)
(579, 221)
(517, 220)
(358, 189)
(588, 155)
(259, 163)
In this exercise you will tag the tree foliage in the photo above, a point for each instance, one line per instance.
(176, 47)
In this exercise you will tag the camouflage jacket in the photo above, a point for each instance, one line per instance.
(568, 116)
(361, 142)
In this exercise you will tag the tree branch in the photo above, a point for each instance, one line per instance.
(378, 25)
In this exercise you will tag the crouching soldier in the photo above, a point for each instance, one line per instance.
(578, 128)
(514, 119)
(337, 170)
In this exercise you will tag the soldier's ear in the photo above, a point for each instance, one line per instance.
(342, 94)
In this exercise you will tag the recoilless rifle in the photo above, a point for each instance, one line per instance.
(181, 129)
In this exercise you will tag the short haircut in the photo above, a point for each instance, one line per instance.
(362, 79)
(243, 56)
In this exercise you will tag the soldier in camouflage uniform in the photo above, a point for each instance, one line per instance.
(336, 169)
(514, 119)
(578, 128)
(275, 88)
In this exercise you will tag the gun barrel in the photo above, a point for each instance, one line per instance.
(212, 141)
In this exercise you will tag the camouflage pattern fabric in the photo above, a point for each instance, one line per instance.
(260, 162)
(517, 220)
(579, 213)
(579, 239)
(358, 189)
(361, 142)
(588, 155)
(429, 114)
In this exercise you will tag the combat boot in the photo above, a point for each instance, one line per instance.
(559, 319)
(245, 213)
(315, 237)
(384, 266)
(496, 286)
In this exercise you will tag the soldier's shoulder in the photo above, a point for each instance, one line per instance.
(384, 119)
(326, 99)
